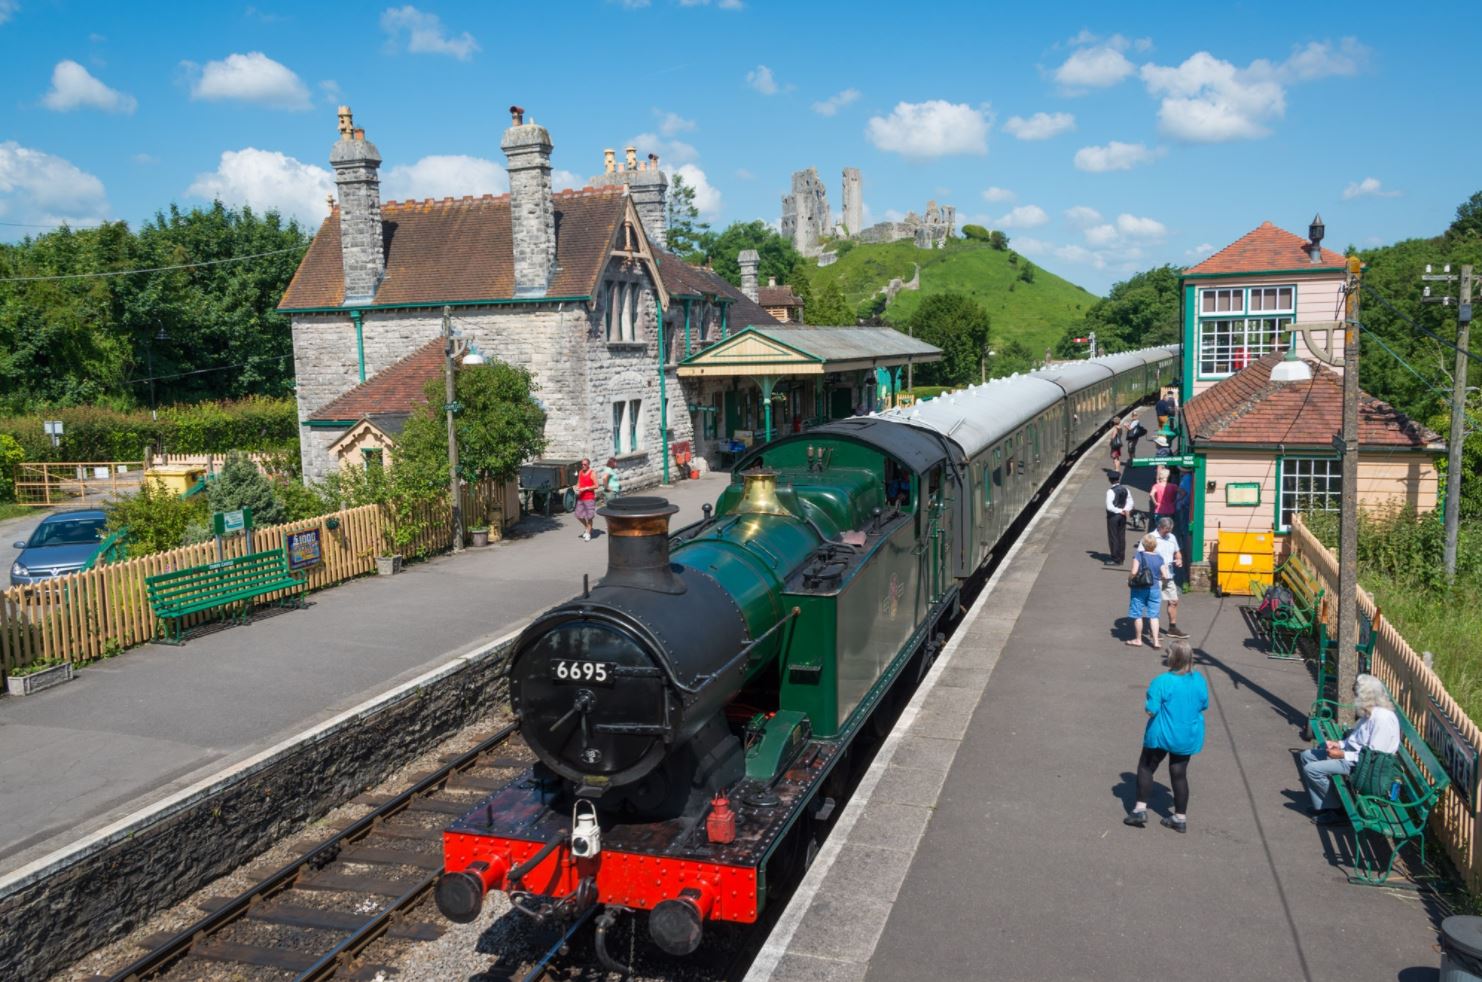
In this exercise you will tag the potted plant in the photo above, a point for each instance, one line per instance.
(479, 536)
(38, 675)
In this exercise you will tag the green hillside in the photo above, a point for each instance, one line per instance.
(1035, 314)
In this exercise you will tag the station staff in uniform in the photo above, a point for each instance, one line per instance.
(1118, 507)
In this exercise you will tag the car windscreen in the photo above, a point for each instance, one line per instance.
(71, 532)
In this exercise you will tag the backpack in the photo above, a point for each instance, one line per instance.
(1136, 430)
(1119, 497)
(1116, 443)
(1274, 601)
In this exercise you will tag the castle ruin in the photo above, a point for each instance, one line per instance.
(806, 218)
(805, 213)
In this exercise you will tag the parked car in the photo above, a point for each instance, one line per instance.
(63, 543)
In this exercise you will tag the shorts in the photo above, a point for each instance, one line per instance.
(1170, 592)
(1144, 602)
(586, 509)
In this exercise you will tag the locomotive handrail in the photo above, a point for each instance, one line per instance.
(701, 680)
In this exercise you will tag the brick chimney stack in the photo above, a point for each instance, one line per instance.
(749, 261)
(527, 147)
(357, 166)
(647, 186)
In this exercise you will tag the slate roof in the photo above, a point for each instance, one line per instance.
(778, 296)
(850, 343)
(1267, 248)
(396, 390)
(460, 249)
(1249, 408)
(684, 280)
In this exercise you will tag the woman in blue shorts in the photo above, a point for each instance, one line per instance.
(1145, 599)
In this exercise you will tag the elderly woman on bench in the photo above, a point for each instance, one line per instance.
(1378, 728)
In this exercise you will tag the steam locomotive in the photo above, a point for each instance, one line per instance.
(691, 709)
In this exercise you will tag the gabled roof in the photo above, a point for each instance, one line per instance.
(799, 349)
(1266, 249)
(1249, 408)
(396, 390)
(778, 296)
(685, 280)
(460, 250)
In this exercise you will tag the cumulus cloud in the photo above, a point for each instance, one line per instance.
(1134, 227)
(565, 180)
(996, 194)
(1321, 59)
(8, 9)
(1096, 67)
(1024, 216)
(707, 197)
(671, 123)
(831, 105)
(1202, 249)
(253, 77)
(936, 128)
(1040, 126)
(74, 87)
(38, 188)
(761, 79)
(1369, 187)
(443, 176)
(424, 34)
(267, 180)
(1082, 215)
(1113, 156)
(669, 151)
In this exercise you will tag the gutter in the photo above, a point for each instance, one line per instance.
(499, 302)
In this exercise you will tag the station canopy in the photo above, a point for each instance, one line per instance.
(806, 349)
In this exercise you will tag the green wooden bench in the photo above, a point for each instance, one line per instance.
(1327, 655)
(232, 583)
(1398, 821)
(1302, 617)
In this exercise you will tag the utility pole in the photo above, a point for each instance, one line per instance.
(1348, 527)
(450, 407)
(1458, 403)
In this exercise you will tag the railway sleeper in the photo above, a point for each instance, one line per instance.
(355, 883)
(321, 919)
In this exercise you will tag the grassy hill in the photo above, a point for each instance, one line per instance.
(1035, 314)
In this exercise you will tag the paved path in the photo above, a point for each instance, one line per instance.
(992, 844)
(133, 729)
(13, 530)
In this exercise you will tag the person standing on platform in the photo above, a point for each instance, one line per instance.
(1118, 507)
(1165, 407)
(1144, 580)
(1181, 501)
(612, 484)
(586, 498)
(1173, 560)
(1175, 705)
(1135, 432)
(1115, 445)
(1163, 496)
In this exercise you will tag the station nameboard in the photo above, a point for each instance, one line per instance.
(1177, 460)
(1457, 753)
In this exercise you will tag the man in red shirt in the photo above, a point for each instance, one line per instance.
(586, 498)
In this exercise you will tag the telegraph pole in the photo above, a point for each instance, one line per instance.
(1458, 402)
(450, 406)
(1348, 527)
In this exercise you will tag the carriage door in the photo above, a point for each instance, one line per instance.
(935, 527)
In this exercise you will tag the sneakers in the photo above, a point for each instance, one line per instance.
(1137, 820)
(1174, 631)
(1169, 822)
(586, 536)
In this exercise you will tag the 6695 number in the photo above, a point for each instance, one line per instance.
(582, 672)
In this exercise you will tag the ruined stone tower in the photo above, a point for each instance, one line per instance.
(805, 212)
(853, 202)
(532, 216)
(647, 186)
(357, 175)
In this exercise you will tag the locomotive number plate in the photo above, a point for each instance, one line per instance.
(583, 672)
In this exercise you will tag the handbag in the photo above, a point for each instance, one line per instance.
(1142, 579)
(1375, 773)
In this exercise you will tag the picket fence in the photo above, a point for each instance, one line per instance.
(93, 614)
(1413, 685)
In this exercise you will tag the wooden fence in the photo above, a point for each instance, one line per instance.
(89, 615)
(1413, 686)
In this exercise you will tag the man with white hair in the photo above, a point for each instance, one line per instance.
(1173, 558)
(1378, 729)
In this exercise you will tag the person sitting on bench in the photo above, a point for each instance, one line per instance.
(1378, 729)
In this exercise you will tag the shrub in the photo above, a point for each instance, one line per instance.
(300, 501)
(156, 519)
(241, 485)
(975, 232)
(100, 433)
(11, 454)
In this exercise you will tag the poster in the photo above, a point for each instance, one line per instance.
(304, 549)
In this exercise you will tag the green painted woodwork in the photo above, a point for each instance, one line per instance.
(782, 737)
(355, 318)
(1191, 322)
(176, 595)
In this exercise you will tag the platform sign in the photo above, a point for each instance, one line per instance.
(1457, 753)
(1174, 460)
(304, 549)
(227, 522)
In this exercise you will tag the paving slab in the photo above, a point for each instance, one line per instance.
(134, 729)
(1024, 870)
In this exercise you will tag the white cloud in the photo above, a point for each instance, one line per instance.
(669, 151)
(1094, 68)
(444, 176)
(761, 79)
(1114, 156)
(1024, 216)
(565, 180)
(1082, 215)
(671, 123)
(38, 188)
(1040, 126)
(8, 9)
(267, 180)
(1320, 59)
(331, 91)
(1126, 229)
(721, 4)
(1083, 37)
(74, 87)
(831, 105)
(996, 194)
(633, 4)
(1082, 255)
(1369, 187)
(1030, 246)
(253, 77)
(424, 33)
(707, 197)
(1134, 227)
(1101, 235)
(1202, 249)
(935, 128)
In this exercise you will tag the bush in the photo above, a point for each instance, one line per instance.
(241, 485)
(157, 520)
(998, 240)
(11, 454)
(299, 501)
(976, 232)
(99, 433)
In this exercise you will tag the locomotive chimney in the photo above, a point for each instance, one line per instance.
(638, 545)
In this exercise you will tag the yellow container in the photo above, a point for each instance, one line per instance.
(176, 478)
(1246, 562)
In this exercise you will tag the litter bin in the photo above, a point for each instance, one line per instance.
(1461, 949)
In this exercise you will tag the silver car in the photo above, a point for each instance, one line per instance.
(63, 543)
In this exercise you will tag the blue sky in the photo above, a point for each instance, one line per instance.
(1103, 140)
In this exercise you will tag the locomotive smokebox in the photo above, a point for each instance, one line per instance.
(638, 545)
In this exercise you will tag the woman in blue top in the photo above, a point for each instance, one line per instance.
(1145, 599)
(1175, 705)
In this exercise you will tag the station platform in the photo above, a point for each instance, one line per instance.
(986, 840)
(133, 730)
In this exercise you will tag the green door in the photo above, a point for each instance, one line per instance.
(733, 413)
(840, 404)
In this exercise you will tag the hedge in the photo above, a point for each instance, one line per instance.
(96, 433)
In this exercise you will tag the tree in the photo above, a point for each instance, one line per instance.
(1139, 312)
(1011, 358)
(241, 485)
(1026, 272)
(157, 519)
(829, 307)
(778, 257)
(499, 426)
(998, 240)
(957, 324)
(976, 232)
(687, 235)
(1468, 218)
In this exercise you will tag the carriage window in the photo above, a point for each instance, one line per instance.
(987, 488)
(998, 466)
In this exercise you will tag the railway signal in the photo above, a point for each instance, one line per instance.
(1088, 339)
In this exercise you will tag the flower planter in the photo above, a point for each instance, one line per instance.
(388, 565)
(25, 685)
(478, 538)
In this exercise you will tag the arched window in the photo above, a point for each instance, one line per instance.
(632, 320)
(625, 312)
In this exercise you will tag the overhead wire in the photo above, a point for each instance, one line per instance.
(154, 269)
(1374, 336)
(203, 371)
(1411, 321)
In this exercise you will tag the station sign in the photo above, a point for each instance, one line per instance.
(1458, 754)
(1176, 460)
(227, 522)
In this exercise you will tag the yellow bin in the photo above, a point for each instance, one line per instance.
(176, 478)
(1246, 562)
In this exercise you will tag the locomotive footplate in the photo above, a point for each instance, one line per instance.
(641, 864)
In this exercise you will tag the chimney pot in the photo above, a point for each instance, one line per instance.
(631, 154)
(609, 156)
(771, 281)
(359, 133)
(638, 544)
(517, 115)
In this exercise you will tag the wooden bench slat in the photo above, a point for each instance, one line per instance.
(182, 593)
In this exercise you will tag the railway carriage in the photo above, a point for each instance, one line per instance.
(690, 711)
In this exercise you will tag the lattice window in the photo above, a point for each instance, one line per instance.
(1309, 484)
(1227, 346)
(1225, 301)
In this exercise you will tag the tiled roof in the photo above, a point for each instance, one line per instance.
(396, 390)
(778, 296)
(682, 279)
(1265, 248)
(460, 249)
(1249, 408)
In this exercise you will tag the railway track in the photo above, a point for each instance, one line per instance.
(314, 917)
